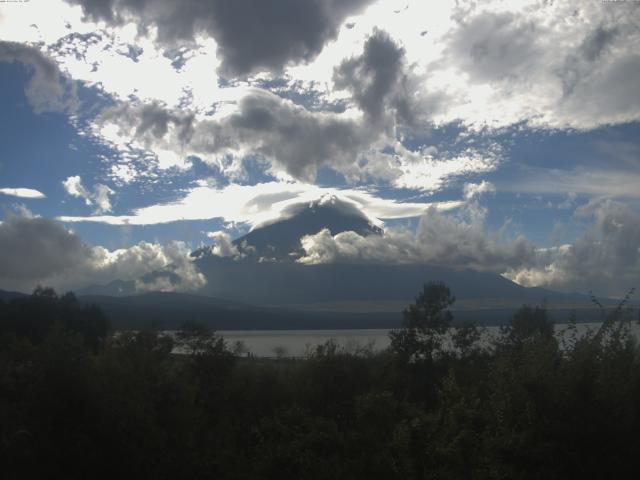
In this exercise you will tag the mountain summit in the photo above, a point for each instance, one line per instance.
(266, 272)
(280, 238)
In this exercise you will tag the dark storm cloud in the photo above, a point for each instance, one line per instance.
(373, 76)
(40, 251)
(252, 35)
(37, 248)
(295, 139)
(383, 85)
(299, 140)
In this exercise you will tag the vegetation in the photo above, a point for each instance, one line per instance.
(76, 403)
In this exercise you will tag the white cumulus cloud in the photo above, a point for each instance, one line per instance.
(455, 241)
(604, 259)
(99, 197)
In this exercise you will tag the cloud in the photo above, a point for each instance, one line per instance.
(98, 198)
(73, 186)
(21, 210)
(604, 259)
(579, 180)
(259, 203)
(423, 170)
(456, 242)
(492, 46)
(362, 143)
(552, 65)
(47, 90)
(32, 249)
(473, 190)
(547, 64)
(295, 141)
(381, 83)
(39, 251)
(359, 143)
(23, 193)
(164, 132)
(223, 245)
(252, 35)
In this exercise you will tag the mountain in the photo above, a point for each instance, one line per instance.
(6, 296)
(168, 311)
(123, 288)
(293, 284)
(117, 288)
(346, 287)
(280, 240)
(265, 287)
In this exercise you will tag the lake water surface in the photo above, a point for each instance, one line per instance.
(297, 343)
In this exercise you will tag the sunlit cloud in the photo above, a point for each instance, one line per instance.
(36, 251)
(22, 193)
(255, 204)
(98, 197)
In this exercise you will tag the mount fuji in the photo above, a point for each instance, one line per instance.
(263, 280)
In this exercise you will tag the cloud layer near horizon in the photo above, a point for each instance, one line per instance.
(461, 241)
(37, 251)
(604, 259)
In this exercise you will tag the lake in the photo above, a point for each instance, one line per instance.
(297, 343)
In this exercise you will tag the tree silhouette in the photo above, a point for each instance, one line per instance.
(425, 323)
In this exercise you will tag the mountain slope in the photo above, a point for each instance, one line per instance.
(6, 296)
(287, 294)
(167, 311)
(287, 283)
(281, 240)
(280, 283)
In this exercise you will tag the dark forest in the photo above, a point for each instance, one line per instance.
(77, 401)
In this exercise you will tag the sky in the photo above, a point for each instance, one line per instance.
(498, 135)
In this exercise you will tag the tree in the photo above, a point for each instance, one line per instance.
(196, 338)
(529, 323)
(33, 317)
(425, 323)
